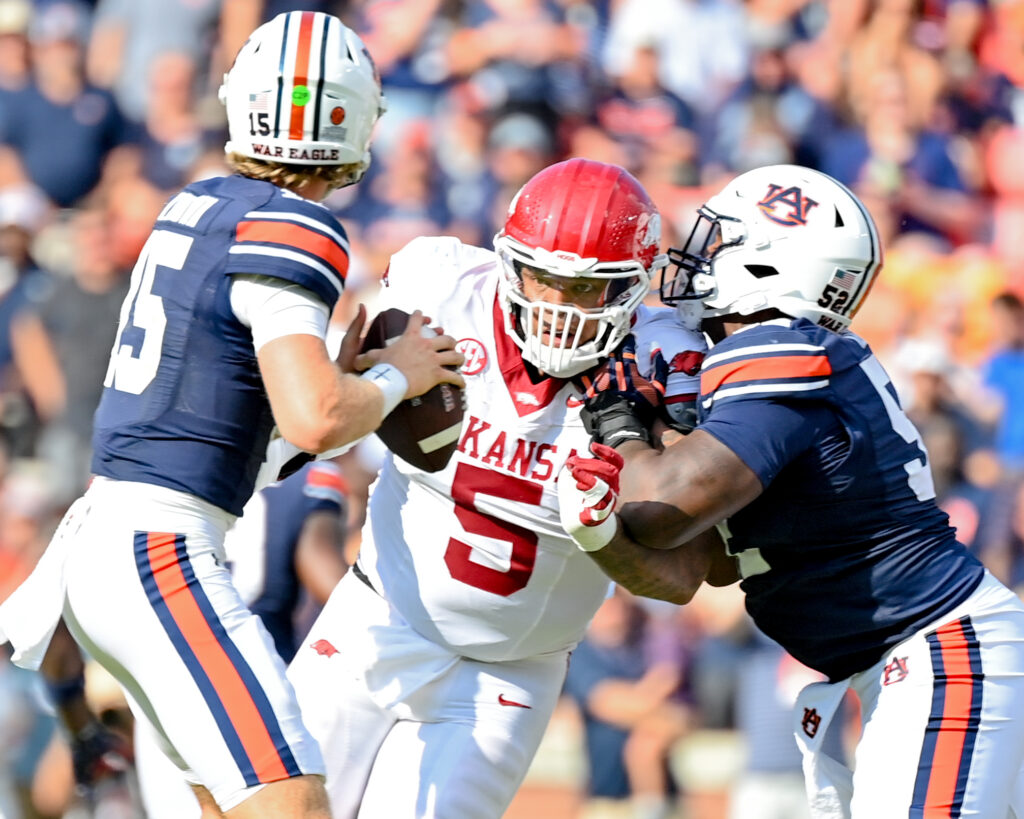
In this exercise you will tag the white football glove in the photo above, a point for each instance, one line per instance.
(588, 489)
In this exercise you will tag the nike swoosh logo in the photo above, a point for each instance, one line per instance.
(503, 701)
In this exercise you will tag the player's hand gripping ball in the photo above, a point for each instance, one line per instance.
(422, 431)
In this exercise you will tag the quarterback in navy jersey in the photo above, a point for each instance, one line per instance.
(819, 484)
(221, 340)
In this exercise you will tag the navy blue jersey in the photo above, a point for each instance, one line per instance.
(263, 545)
(846, 552)
(183, 404)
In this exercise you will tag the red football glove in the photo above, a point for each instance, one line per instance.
(588, 489)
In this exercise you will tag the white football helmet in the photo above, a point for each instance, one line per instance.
(577, 219)
(303, 90)
(781, 237)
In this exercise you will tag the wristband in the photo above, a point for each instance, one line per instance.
(391, 382)
(595, 538)
(590, 528)
(610, 419)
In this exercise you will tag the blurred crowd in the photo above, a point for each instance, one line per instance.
(106, 108)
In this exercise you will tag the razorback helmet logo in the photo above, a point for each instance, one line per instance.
(649, 231)
(793, 205)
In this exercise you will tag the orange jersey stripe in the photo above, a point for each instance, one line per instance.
(235, 698)
(287, 233)
(956, 711)
(301, 73)
(620, 375)
(757, 369)
(329, 478)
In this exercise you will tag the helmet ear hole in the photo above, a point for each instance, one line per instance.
(839, 219)
(761, 271)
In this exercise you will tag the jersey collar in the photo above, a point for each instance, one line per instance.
(526, 395)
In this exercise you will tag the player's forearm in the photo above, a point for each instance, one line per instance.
(344, 410)
(352, 410)
(663, 574)
(316, 406)
(650, 512)
(724, 569)
(669, 497)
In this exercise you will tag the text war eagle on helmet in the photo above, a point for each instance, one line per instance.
(278, 152)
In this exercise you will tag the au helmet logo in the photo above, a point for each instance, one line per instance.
(786, 206)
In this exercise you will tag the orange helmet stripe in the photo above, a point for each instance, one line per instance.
(301, 73)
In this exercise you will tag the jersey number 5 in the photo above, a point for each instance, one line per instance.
(135, 356)
(470, 481)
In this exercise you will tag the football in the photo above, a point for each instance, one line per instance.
(422, 431)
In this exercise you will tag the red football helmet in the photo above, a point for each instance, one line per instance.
(577, 219)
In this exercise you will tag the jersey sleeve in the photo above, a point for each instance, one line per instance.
(767, 365)
(293, 239)
(424, 273)
(763, 394)
(768, 435)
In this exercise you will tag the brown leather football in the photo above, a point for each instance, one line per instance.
(422, 431)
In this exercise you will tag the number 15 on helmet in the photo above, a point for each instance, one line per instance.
(303, 90)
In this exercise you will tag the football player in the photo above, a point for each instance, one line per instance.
(432, 672)
(806, 463)
(221, 338)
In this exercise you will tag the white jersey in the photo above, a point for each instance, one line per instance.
(474, 556)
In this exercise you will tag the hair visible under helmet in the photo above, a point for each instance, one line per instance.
(302, 98)
(577, 219)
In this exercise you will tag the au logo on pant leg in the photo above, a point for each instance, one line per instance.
(810, 722)
(895, 671)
